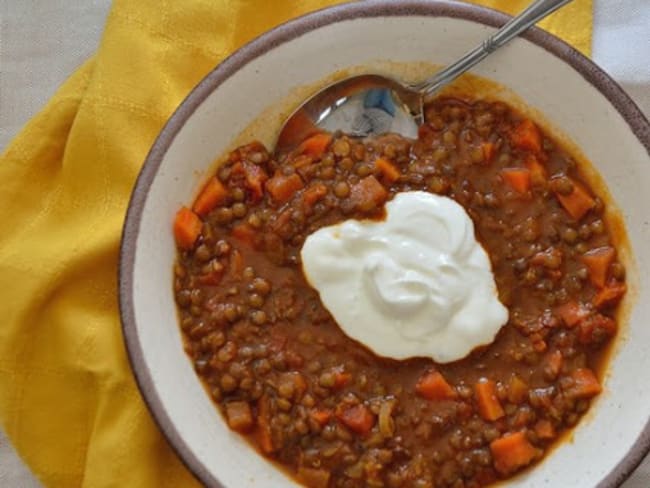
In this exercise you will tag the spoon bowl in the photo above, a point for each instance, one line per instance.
(360, 106)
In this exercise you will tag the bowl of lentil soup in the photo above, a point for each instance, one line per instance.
(248, 374)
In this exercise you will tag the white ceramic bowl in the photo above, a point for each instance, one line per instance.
(573, 94)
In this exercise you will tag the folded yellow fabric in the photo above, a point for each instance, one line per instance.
(68, 400)
(573, 23)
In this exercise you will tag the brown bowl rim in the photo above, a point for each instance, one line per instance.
(286, 32)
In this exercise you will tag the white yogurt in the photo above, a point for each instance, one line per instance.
(416, 284)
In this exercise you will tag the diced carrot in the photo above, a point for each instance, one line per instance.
(341, 378)
(244, 233)
(526, 136)
(596, 328)
(519, 419)
(388, 171)
(236, 262)
(517, 389)
(489, 406)
(295, 381)
(597, 262)
(313, 477)
(517, 178)
(578, 202)
(243, 152)
(321, 415)
(210, 279)
(239, 415)
(295, 360)
(254, 178)
(538, 342)
(187, 227)
(212, 194)
(299, 127)
(265, 437)
(610, 295)
(212, 276)
(554, 363)
(512, 452)
(542, 397)
(307, 171)
(368, 194)
(585, 384)
(282, 221)
(544, 429)
(537, 170)
(315, 146)
(301, 162)
(549, 258)
(572, 312)
(282, 187)
(358, 418)
(489, 151)
(299, 383)
(313, 194)
(433, 386)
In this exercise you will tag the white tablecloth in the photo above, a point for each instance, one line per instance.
(43, 41)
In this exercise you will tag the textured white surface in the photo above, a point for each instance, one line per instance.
(621, 45)
(43, 41)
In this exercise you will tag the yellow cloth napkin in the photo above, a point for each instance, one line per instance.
(573, 22)
(68, 400)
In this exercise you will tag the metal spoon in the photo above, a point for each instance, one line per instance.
(371, 105)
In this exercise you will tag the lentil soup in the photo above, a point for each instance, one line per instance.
(324, 406)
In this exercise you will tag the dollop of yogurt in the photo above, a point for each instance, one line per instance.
(417, 284)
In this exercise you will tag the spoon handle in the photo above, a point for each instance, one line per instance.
(535, 12)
